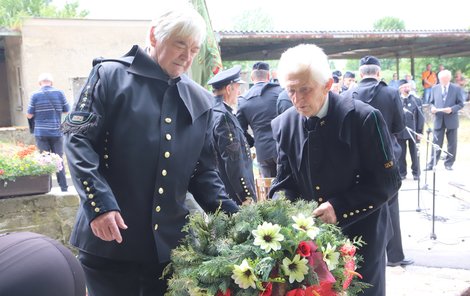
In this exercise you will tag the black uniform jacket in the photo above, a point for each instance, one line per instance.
(353, 162)
(148, 145)
(257, 108)
(387, 100)
(233, 154)
(414, 117)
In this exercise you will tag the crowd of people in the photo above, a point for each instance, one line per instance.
(143, 134)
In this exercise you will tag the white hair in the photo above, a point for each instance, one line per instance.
(369, 70)
(45, 77)
(302, 58)
(444, 73)
(183, 21)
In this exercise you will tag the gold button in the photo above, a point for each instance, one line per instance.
(97, 210)
(364, 210)
(345, 215)
(371, 207)
(168, 120)
(93, 203)
(246, 190)
(242, 179)
(168, 137)
(90, 196)
(107, 133)
(85, 183)
(157, 209)
(106, 140)
(244, 186)
(357, 211)
(167, 154)
(160, 190)
(106, 156)
(156, 226)
(243, 183)
(164, 173)
(351, 214)
(248, 193)
(317, 187)
(87, 189)
(320, 199)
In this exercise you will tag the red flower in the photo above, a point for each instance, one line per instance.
(296, 292)
(2, 172)
(303, 249)
(348, 250)
(268, 289)
(227, 293)
(324, 289)
(349, 272)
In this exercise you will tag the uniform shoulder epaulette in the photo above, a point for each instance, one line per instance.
(82, 118)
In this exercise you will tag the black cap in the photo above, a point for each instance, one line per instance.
(226, 77)
(261, 66)
(335, 79)
(348, 74)
(401, 82)
(337, 73)
(369, 60)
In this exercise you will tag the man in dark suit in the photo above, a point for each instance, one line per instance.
(373, 91)
(338, 152)
(138, 140)
(256, 109)
(414, 121)
(446, 101)
(232, 150)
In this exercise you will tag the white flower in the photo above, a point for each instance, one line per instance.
(243, 275)
(306, 224)
(296, 269)
(330, 256)
(267, 236)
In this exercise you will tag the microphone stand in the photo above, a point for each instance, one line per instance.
(434, 151)
(428, 131)
(413, 136)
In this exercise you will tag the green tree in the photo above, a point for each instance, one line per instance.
(13, 11)
(253, 20)
(389, 23)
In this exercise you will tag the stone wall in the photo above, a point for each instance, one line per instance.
(49, 214)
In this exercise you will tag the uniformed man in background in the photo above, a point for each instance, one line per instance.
(232, 150)
(138, 140)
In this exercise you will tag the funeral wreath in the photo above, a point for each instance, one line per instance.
(274, 247)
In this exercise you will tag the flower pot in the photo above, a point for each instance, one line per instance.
(25, 185)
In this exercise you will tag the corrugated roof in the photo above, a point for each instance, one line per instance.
(346, 44)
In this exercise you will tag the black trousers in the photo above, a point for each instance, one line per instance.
(451, 135)
(108, 277)
(268, 168)
(414, 157)
(54, 145)
(394, 246)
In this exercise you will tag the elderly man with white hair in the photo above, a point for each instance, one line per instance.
(446, 101)
(338, 152)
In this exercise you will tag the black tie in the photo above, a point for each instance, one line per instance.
(444, 94)
(311, 123)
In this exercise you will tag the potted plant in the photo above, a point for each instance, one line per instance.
(271, 248)
(25, 171)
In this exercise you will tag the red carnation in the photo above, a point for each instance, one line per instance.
(227, 293)
(268, 288)
(348, 250)
(304, 249)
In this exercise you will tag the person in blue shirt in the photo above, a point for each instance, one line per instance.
(46, 107)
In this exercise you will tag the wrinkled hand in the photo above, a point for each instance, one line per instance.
(106, 226)
(447, 110)
(433, 110)
(326, 213)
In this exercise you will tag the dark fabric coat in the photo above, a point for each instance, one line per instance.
(353, 168)
(256, 109)
(233, 154)
(387, 101)
(147, 143)
(283, 102)
(414, 117)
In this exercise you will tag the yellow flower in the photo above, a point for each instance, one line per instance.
(243, 275)
(306, 224)
(267, 236)
(330, 256)
(295, 269)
